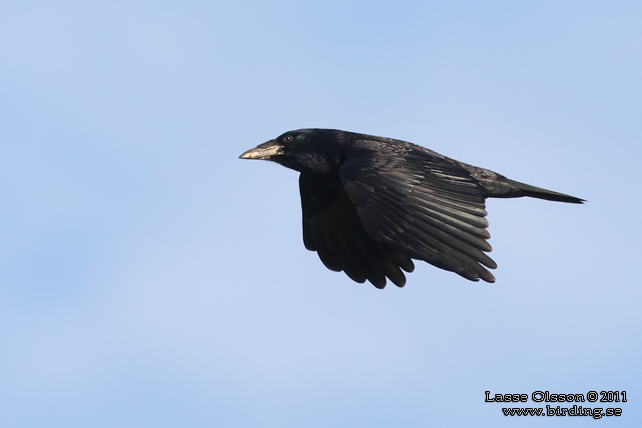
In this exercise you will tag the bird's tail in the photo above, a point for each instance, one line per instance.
(518, 189)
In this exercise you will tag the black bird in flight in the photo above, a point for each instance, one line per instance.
(372, 204)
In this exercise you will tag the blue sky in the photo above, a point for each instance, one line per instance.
(150, 278)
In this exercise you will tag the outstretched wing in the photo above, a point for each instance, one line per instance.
(332, 228)
(423, 204)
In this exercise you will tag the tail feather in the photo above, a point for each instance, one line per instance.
(499, 186)
(518, 189)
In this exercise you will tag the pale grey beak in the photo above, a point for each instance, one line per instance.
(263, 151)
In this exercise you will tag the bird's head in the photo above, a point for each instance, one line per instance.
(304, 150)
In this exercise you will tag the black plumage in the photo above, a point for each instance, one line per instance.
(372, 204)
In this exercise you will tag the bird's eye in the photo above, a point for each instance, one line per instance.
(288, 138)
